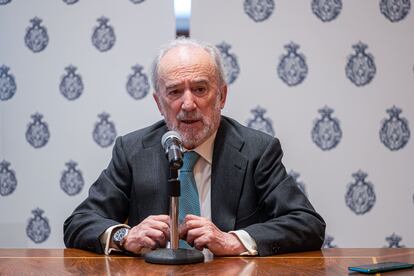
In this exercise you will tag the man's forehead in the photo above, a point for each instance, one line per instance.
(185, 63)
(199, 80)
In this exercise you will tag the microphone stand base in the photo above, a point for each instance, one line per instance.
(174, 256)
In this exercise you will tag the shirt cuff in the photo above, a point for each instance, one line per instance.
(248, 242)
(105, 238)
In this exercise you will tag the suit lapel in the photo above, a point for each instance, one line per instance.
(158, 169)
(227, 176)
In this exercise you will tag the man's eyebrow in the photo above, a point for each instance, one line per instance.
(200, 81)
(173, 85)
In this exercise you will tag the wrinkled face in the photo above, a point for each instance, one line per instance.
(189, 95)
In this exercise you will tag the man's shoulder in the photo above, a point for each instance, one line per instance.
(147, 136)
(244, 132)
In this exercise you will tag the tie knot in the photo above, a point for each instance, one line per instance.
(190, 158)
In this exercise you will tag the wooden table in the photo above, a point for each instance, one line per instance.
(77, 262)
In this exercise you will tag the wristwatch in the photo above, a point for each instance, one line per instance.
(119, 237)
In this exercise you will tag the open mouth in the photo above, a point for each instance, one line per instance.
(189, 121)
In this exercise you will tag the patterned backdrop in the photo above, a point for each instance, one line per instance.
(332, 79)
(73, 76)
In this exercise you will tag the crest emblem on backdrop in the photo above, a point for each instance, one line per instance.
(360, 68)
(360, 196)
(394, 241)
(7, 84)
(4, 2)
(37, 133)
(230, 64)
(395, 10)
(292, 68)
(104, 133)
(326, 132)
(71, 181)
(300, 184)
(137, 85)
(137, 1)
(8, 181)
(327, 243)
(326, 10)
(38, 229)
(394, 132)
(70, 2)
(259, 122)
(259, 10)
(71, 85)
(103, 37)
(36, 38)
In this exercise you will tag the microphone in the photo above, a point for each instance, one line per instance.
(171, 142)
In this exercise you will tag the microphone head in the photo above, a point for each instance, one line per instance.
(171, 142)
(170, 135)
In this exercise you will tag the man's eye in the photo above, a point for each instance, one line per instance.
(173, 93)
(200, 90)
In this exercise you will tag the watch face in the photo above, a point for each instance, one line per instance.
(120, 234)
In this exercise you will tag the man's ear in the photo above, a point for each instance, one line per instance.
(223, 95)
(155, 95)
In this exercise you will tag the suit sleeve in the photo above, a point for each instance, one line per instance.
(289, 223)
(107, 204)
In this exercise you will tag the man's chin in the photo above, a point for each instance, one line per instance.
(192, 140)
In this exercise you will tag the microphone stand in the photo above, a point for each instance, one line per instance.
(174, 255)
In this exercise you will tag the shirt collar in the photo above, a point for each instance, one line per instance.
(205, 150)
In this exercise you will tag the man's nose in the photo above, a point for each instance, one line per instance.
(188, 101)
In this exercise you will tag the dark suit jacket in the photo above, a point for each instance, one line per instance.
(250, 190)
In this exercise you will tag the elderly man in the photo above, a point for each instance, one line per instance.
(248, 204)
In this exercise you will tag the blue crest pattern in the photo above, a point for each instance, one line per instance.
(300, 184)
(327, 243)
(292, 68)
(394, 241)
(37, 133)
(259, 122)
(103, 37)
(360, 68)
(395, 10)
(326, 10)
(71, 85)
(104, 133)
(8, 181)
(326, 132)
(360, 196)
(38, 229)
(36, 37)
(70, 2)
(5, 2)
(137, 85)
(137, 1)
(7, 84)
(71, 181)
(230, 64)
(394, 132)
(259, 10)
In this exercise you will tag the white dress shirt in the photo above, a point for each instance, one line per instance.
(202, 177)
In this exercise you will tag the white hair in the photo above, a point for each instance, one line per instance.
(188, 42)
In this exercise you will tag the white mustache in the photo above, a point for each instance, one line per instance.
(189, 116)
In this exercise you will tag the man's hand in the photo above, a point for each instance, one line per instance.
(152, 232)
(202, 233)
